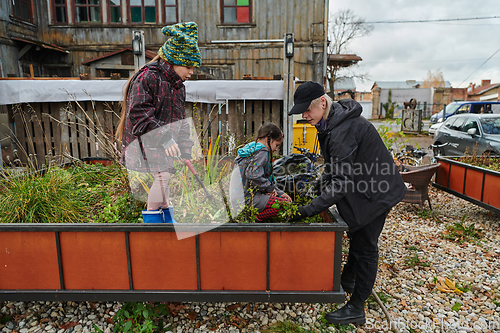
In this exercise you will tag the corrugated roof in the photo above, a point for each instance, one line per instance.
(149, 54)
(44, 45)
(343, 60)
(482, 89)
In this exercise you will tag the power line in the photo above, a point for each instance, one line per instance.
(422, 61)
(479, 67)
(426, 21)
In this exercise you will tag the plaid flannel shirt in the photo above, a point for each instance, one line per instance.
(155, 115)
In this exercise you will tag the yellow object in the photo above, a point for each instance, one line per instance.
(446, 285)
(304, 136)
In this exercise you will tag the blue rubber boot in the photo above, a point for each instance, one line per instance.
(168, 215)
(153, 216)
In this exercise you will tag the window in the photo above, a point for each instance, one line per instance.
(469, 124)
(235, 11)
(23, 9)
(463, 109)
(458, 123)
(171, 11)
(87, 11)
(115, 11)
(60, 11)
(143, 11)
(491, 125)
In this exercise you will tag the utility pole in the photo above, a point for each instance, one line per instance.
(288, 70)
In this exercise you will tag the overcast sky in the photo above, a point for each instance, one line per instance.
(407, 51)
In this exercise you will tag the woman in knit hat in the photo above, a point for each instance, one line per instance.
(153, 130)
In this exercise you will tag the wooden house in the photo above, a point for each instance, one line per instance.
(45, 38)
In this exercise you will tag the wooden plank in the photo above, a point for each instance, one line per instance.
(34, 116)
(233, 119)
(73, 131)
(267, 111)
(48, 131)
(276, 111)
(99, 142)
(82, 132)
(20, 135)
(55, 112)
(214, 122)
(257, 115)
(206, 125)
(239, 119)
(248, 119)
(223, 125)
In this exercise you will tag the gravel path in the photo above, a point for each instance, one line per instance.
(413, 256)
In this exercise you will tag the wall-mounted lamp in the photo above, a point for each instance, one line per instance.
(289, 49)
(137, 43)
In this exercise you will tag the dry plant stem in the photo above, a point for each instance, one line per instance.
(389, 318)
(200, 137)
(95, 128)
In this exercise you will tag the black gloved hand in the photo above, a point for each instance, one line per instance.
(299, 215)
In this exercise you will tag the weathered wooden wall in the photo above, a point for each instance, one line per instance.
(86, 129)
(271, 19)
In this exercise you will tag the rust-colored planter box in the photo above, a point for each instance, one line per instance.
(475, 184)
(146, 262)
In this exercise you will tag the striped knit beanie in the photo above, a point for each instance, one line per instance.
(182, 48)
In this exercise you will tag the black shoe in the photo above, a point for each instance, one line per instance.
(348, 314)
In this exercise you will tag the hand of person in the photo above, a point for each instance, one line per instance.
(273, 193)
(299, 215)
(286, 197)
(173, 150)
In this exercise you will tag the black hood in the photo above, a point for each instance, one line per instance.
(342, 110)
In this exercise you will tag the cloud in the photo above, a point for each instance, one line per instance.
(399, 52)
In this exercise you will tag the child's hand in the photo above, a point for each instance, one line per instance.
(286, 197)
(273, 193)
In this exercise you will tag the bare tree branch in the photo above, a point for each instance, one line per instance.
(344, 26)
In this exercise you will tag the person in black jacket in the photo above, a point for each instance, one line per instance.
(361, 178)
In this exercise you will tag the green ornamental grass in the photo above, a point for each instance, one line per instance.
(33, 197)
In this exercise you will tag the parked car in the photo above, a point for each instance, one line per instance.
(477, 107)
(434, 127)
(463, 132)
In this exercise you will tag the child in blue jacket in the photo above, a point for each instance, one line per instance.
(256, 169)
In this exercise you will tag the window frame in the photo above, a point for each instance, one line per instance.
(31, 17)
(164, 4)
(54, 14)
(250, 14)
(108, 3)
(129, 14)
(75, 22)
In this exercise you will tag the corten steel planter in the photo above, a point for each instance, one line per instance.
(137, 262)
(475, 184)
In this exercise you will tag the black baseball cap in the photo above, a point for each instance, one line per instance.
(304, 95)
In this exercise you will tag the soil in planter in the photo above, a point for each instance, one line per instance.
(485, 160)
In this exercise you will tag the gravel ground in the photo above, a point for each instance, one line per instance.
(413, 255)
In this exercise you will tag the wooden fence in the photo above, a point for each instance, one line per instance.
(43, 131)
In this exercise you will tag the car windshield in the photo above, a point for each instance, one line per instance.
(451, 108)
(491, 125)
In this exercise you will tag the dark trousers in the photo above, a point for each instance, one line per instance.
(362, 261)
